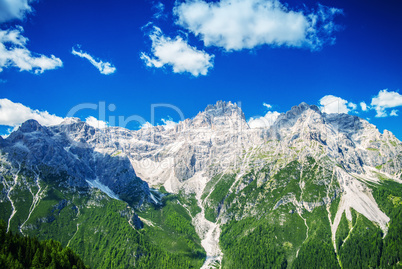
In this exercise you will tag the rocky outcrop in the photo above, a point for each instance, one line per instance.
(52, 153)
(216, 140)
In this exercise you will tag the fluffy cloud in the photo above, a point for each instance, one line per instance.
(178, 54)
(13, 53)
(168, 123)
(352, 106)
(13, 9)
(268, 106)
(263, 122)
(363, 105)
(104, 68)
(96, 123)
(332, 104)
(385, 100)
(13, 50)
(146, 125)
(246, 24)
(394, 112)
(13, 114)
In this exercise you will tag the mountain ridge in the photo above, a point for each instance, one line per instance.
(310, 170)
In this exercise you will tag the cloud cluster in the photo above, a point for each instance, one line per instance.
(14, 114)
(176, 53)
(333, 104)
(94, 122)
(263, 122)
(385, 100)
(13, 9)
(364, 106)
(13, 53)
(168, 123)
(13, 50)
(246, 24)
(146, 125)
(104, 68)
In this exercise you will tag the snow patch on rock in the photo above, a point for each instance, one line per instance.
(358, 196)
(98, 185)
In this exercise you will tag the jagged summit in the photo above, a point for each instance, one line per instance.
(222, 106)
(70, 150)
(31, 126)
(289, 119)
(225, 114)
(298, 110)
(306, 161)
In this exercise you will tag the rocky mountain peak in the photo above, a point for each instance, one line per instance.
(288, 119)
(221, 105)
(31, 126)
(29, 130)
(302, 107)
(221, 114)
(222, 108)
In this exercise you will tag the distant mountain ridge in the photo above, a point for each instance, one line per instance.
(314, 172)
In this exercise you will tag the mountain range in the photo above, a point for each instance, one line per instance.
(311, 190)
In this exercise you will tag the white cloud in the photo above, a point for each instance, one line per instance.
(104, 68)
(246, 24)
(13, 53)
(264, 122)
(159, 8)
(384, 100)
(268, 106)
(13, 9)
(92, 121)
(333, 104)
(146, 125)
(13, 114)
(394, 112)
(352, 106)
(168, 123)
(363, 105)
(381, 114)
(178, 54)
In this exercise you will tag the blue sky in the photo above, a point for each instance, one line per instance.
(56, 55)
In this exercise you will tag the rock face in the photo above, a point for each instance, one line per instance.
(212, 142)
(216, 137)
(51, 151)
(310, 157)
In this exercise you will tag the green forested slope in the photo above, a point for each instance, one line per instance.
(263, 227)
(101, 230)
(17, 252)
(262, 221)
